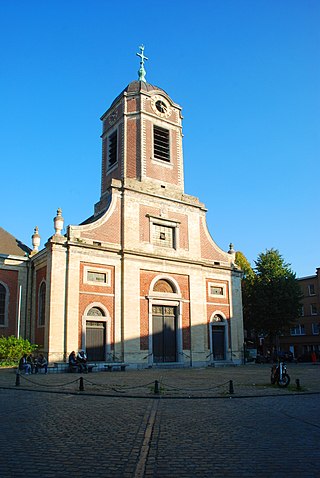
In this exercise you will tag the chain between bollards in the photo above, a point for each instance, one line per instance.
(17, 379)
(81, 386)
(231, 389)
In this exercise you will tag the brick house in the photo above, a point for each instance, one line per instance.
(303, 338)
(140, 281)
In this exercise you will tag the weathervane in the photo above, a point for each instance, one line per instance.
(142, 71)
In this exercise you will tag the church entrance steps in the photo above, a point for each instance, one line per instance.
(169, 365)
(222, 363)
(61, 367)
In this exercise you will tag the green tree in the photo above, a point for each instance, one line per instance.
(274, 295)
(12, 349)
(246, 288)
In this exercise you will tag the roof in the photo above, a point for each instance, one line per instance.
(136, 87)
(12, 246)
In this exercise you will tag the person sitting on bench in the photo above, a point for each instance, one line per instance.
(73, 364)
(24, 365)
(82, 361)
(41, 362)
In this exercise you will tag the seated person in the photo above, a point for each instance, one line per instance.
(82, 361)
(73, 364)
(24, 365)
(31, 362)
(41, 362)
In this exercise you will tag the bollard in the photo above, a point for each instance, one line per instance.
(81, 387)
(17, 379)
(298, 384)
(156, 387)
(231, 389)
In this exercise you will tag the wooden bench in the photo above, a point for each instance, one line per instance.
(110, 367)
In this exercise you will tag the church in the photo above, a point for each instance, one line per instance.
(141, 281)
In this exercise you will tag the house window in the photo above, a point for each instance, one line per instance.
(161, 144)
(163, 236)
(297, 330)
(311, 289)
(112, 149)
(313, 309)
(97, 276)
(301, 311)
(42, 304)
(3, 294)
(216, 289)
(315, 329)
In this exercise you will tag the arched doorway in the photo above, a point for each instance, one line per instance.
(218, 337)
(96, 334)
(165, 313)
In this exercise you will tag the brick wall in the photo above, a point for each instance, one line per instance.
(10, 279)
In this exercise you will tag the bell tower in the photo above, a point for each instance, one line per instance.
(142, 140)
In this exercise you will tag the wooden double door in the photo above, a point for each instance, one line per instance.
(164, 333)
(96, 340)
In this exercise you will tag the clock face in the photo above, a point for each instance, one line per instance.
(160, 106)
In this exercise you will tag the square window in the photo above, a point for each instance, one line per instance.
(315, 329)
(216, 289)
(97, 276)
(163, 235)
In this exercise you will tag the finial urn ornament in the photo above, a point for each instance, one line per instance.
(35, 239)
(58, 222)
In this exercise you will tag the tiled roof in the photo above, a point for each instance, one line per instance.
(136, 87)
(12, 246)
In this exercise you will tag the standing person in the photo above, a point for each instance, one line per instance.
(41, 362)
(24, 365)
(73, 364)
(82, 361)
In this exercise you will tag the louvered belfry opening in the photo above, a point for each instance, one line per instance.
(113, 148)
(161, 143)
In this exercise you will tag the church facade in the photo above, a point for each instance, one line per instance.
(141, 281)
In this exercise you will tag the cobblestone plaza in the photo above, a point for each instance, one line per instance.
(194, 427)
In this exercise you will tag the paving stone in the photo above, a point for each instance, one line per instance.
(261, 431)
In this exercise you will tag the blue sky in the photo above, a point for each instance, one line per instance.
(246, 73)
